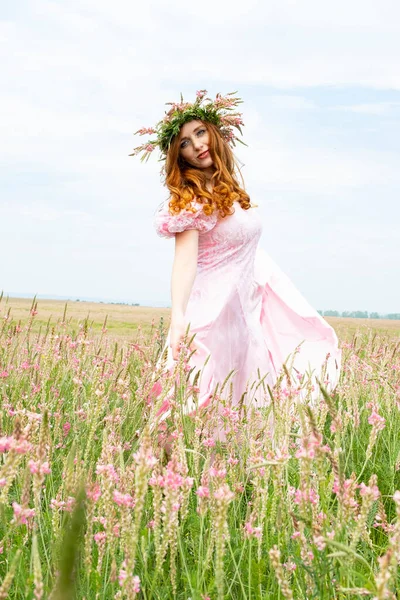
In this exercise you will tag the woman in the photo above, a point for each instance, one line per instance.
(245, 313)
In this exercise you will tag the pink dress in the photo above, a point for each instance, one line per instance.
(245, 312)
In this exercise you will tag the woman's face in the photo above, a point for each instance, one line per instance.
(193, 143)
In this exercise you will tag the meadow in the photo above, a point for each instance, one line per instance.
(302, 500)
(123, 321)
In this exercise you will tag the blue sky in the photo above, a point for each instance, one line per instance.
(321, 90)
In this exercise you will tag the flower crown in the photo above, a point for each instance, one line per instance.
(219, 112)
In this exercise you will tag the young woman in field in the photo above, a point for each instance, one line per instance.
(245, 313)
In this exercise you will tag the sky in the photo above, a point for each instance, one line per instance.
(321, 88)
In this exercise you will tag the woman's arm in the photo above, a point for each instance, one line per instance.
(183, 274)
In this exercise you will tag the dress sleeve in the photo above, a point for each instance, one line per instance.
(167, 224)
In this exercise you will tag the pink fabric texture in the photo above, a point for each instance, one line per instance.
(246, 313)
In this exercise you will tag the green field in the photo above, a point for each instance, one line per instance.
(302, 499)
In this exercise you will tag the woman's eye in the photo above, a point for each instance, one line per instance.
(198, 133)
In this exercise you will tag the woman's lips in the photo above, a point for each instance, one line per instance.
(203, 155)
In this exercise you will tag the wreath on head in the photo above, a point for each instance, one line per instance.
(220, 112)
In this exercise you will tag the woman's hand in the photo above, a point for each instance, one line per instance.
(178, 330)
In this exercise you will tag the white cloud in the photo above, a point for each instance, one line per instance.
(372, 108)
(305, 168)
(292, 102)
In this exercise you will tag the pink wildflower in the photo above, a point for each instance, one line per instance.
(224, 494)
(67, 505)
(319, 542)
(146, 456)
(146, 130)
(156, 480)
(99, 537)
(70, 503)
(188, 482)
(366, 490)
(21, 515)
(107, 470)
(122, 576)
(172, 479)
(308, 446)
(347, 493)
(306, 496)
(217, 472)
(281, 455)
(22, 446)
(136, 584)
(203, 491)
(229, 135)
(6, 443)
(230, 414)
(123, 499)
(376, 420)
(331, 535)
(248, 527)
(252, 531)
(39, 468)
(19, 446)
(151, 524)
(93, 493)
(209, 443)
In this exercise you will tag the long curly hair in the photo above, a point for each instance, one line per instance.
(186, 182)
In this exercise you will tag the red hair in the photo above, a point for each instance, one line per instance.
(186, 182)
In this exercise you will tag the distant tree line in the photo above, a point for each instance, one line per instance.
(359, 314)
(102, 302)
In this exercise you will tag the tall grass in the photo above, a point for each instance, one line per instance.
(300, 501)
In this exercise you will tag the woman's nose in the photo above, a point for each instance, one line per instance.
(197, 144)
